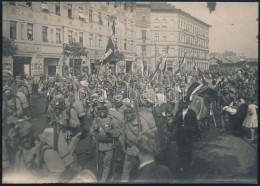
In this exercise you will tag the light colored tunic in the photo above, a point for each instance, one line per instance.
(251, 120)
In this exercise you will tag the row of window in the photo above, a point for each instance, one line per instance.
(82, 16)
(170, 66)
(192, 53)
(193, 41)
(156, 23)
(157, 38)
(97, 39)
(190, 28)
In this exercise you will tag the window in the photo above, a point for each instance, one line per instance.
(45, 7)
(81, 15)
(156, 23)
(108, 20)
(30, 32)
(125, 45)
(107, 3)
(90, 16)
(185, 39)
(80, 9)
(13, 30)
(144, 49)
(81, 38)
(131, 43)
(58, 36)
(125, 24)
(157, 52)
(164, 37)
(100, 41)
(143, 34)
(70, 35)
(156, 37)
(29, 4)
(12, 3)
(57, 8)
(132, 25)
(100, 18)
(164, 23)
(143, 20)
(22, 32)
(70, 11)
(45, 34)
(91, 40)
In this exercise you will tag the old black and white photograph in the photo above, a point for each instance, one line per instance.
(129, 92)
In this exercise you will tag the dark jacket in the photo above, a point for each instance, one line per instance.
(186, 129)
(153, 173)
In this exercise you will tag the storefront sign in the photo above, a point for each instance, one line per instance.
(129, 58)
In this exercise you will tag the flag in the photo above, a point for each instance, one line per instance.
(109, 51)
(165, 62)
(180, 65)
(156, 70)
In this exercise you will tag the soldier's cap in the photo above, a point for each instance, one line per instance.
(160, 91)
(129, 110)
(7, 89)
(25, 128)
(59, 98)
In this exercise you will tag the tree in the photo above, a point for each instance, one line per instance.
(9, 48)
(74, 50)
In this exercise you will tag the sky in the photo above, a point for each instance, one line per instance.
(234, 25)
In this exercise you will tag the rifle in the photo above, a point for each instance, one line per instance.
(55, 131)
(97, 149)
(138, 115)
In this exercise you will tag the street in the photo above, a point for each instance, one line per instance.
(218, 157)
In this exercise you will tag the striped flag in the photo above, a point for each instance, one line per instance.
(165, 61)
(181, 65)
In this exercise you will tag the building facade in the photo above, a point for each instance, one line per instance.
(161, 27)
(40, 29)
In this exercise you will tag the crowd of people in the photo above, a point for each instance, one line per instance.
(118, 127)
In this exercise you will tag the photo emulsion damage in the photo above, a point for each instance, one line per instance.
(129, 92)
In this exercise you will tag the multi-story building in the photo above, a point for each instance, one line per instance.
(40, 29)
(161, 27)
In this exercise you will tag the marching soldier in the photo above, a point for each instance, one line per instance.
(107, 130)
(36, 159)
(23, 99)
(130, 136)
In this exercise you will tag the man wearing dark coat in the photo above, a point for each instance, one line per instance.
(186, 121)
(149, 171)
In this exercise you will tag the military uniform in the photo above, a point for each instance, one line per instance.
(38, 160)
(107, 128)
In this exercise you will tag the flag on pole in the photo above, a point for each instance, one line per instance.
(165, 61)
(181, 65)
(156, 70)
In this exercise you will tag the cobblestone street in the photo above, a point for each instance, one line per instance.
(218, 157)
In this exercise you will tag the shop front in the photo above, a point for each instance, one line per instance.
(22, 65)
(50, 66)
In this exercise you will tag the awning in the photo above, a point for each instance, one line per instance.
(82, 16)
(44, 6)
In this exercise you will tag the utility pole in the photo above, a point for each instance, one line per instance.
(155, 55)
